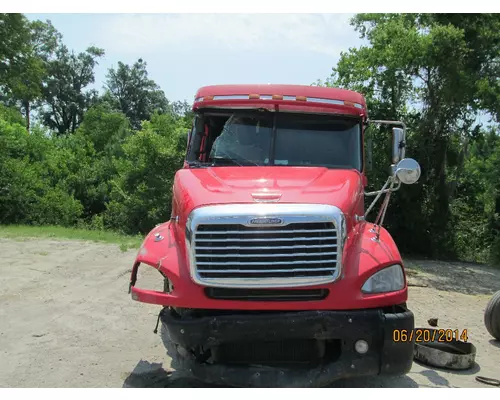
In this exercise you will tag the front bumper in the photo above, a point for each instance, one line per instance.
(375, 326)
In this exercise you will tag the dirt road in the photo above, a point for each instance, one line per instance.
(67, 320)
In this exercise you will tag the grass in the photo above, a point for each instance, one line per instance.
(23, 232)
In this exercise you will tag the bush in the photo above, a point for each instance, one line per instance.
(141, 193)
(30, 191)
(55, 207)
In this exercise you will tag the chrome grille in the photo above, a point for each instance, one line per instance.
(286, 251)
(227, 251)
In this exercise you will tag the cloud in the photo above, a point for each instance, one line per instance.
(144, 34)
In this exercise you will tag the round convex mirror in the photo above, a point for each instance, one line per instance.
(408, 171)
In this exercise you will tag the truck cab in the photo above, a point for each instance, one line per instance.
(272, 274)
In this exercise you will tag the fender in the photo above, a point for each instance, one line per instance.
(363, 256)
(163, 255)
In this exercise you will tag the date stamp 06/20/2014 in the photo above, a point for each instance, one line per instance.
(423, 335)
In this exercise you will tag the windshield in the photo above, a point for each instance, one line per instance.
(294, 140)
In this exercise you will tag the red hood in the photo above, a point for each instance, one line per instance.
(222, 185)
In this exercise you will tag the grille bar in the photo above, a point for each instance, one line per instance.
(260, 271)
(295, 246)
(265, 262)
(267, 231)
(267, 255)
(268, 239)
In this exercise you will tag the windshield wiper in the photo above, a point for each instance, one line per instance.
(218, 159)
(198, 164)
(233, 161)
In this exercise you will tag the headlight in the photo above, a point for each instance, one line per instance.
(389, 279)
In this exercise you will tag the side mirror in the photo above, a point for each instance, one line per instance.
(188, 135)
(398, 145)
(408, 171)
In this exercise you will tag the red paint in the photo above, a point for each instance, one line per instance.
(362, 258)
(199, 187)
(283, 90)
(225, 185)
(314, 92)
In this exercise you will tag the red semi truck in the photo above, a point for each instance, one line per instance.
(271, 274)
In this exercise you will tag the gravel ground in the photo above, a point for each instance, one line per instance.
(68, 321)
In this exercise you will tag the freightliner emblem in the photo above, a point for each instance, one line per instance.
(266, 221)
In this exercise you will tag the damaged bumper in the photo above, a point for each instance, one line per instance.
(231, 337)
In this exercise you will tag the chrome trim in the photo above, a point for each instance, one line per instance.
(270, 255)
(386, 122)
(327, 101)
(231, 97)
(240, 214)
(259, 271)
(359, 218)
(262, 232)
(315, 246)
(267, 240)
(262, 263)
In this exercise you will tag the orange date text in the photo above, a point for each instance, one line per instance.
(422, 335)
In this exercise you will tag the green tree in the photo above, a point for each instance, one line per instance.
(141, 196)
(34, 45)
(14, 43)
(102, 134)
(428, 70)
(27, 84)
(64, 95)
(129, 90)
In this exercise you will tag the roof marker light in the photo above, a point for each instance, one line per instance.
(277, 97)
(254, 96)
(301, 98)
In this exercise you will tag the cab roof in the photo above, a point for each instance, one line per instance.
(284, 90)
(291, 96)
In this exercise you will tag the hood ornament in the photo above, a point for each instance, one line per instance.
(266, 197)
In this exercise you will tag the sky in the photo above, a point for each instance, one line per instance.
(186, 51)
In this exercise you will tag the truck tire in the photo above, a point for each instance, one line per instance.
(492, 316)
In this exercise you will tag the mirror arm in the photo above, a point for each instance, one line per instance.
(381, 215)
(392, 180)
(386, 122)
(381, 191)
